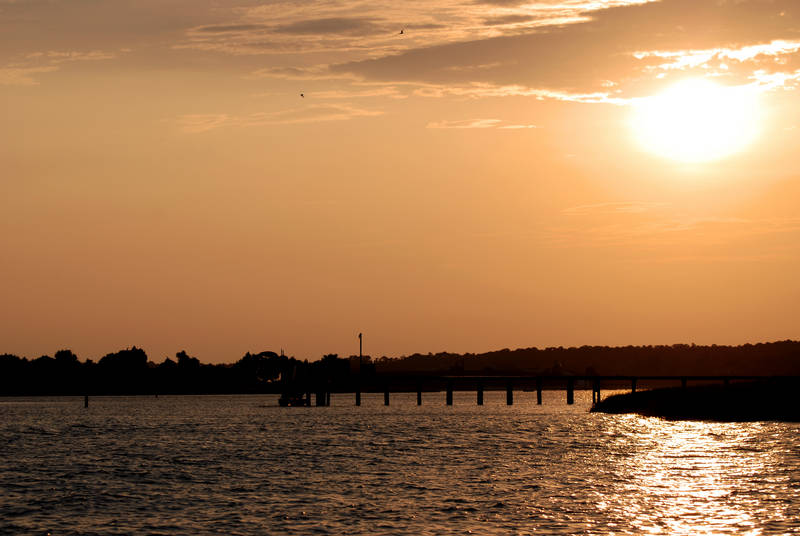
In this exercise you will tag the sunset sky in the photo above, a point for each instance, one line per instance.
(500, 174)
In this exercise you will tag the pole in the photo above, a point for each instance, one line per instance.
(539, 391)
(358, 387)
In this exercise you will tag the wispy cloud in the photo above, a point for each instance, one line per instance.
(766, 63)
(621, 207)
(517, 127)
(22, 76)
(23, 71)
(196, 123)
(358, 26)
(645, 225)
(357, 93)
(465, 123)
(369, 30)
(202, 122)
(479, 90)
(604, 47)
(311, 72)
(63, 56)
(476, 123)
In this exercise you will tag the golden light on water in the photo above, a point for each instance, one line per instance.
(697, 120)
(696, 477)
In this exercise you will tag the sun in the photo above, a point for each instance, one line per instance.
(697, 120)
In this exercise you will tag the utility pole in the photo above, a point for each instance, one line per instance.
(358, 388)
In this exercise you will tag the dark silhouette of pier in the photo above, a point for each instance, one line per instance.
(480, 384)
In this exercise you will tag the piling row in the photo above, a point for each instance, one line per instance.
(323, 394)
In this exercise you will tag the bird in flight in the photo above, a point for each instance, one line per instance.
(401, 32)
(302, 95)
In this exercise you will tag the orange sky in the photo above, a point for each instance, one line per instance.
(475, 183)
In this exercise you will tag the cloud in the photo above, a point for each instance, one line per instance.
(476, 123)
(465, 123)
(620, 44)
(624, 207)
(507, 19)
(63, 56)
(231, 28)
(202, 122)
(316, 113)
(23, 71)
(313, 72)
(380, 91)
(333, 25)
(22, 76)
(370, 30)
(652, 225)
(477, 90)
(589, 51)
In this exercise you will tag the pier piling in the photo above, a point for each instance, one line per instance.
(419, 395)
(386, 397)
(538, 391)
(633, 385)
(570, 391)
(358, 397)
(509, 394)
(480, 394)
(449, 393)
(86, 401)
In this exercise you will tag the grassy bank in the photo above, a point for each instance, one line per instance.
(748, 401)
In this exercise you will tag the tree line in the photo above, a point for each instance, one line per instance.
(129, 371)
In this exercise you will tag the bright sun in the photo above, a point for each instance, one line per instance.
(697, 120)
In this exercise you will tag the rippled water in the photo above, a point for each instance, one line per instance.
(243, 465)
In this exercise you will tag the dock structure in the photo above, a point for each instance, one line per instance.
(480, 384)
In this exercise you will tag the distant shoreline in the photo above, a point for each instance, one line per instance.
(769, 400)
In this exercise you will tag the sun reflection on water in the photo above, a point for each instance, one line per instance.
(698, 478)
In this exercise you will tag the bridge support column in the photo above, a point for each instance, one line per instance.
(449, 395)
(570, 391)
(480, 394)
(509, 394)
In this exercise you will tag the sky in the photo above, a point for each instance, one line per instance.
(462, 176)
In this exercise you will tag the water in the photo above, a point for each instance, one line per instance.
(243, 465)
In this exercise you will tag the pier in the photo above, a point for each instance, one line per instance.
(480, 384)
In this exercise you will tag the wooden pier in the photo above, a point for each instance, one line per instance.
(480, 384)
